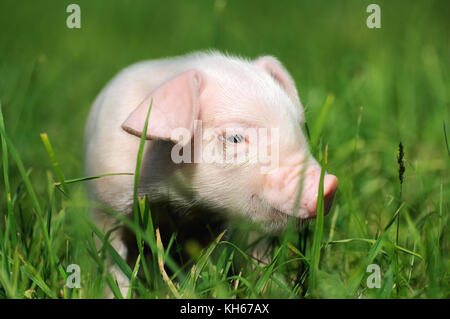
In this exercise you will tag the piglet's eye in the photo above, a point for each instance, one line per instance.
(236, 138)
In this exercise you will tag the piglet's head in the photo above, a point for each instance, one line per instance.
(239, 125)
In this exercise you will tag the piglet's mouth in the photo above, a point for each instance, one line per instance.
(275, 213)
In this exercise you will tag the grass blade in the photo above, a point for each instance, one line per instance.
(372, 242)
(12, 226)
(166, 278)
(137, 219)
(56, 167)
(321, 119)
(373, 252)
(318, 229)
(31, 193)
(87, 178)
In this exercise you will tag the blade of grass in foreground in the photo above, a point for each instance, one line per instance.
(298, 252)
(321, 120)
(82, 179)
(135, 193)
(34, 275)
(12, 225)
(56, 167)
(197, 268)
(318, 229)
(373, 252)
(113, 285)
(268, 271)
(135, 228)
(130, 292)
(114, 254)
(34, 199)
(446, 140)
(163, 272)
(372, 242)
(87, 178)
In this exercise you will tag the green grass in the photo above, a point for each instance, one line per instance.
(364, 92)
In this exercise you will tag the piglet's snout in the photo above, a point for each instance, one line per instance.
(281, 189)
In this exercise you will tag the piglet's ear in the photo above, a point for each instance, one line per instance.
(274, 67)
(175, 104)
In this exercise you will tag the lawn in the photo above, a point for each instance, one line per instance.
(364, 91)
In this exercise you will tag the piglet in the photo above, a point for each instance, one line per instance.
(224, 132)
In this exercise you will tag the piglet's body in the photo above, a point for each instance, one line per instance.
(216, 100)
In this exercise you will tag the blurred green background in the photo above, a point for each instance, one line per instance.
(393, 81)
(399, 74)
